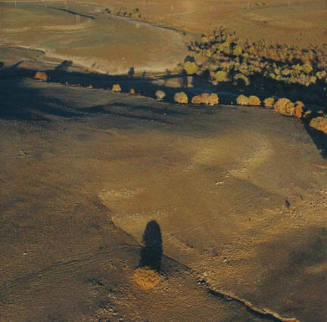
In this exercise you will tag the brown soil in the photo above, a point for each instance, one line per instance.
(239, 194)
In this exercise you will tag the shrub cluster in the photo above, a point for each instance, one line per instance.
(206, 99)
(319, 123)
(181, 98)
(125, 12)
(222, 59)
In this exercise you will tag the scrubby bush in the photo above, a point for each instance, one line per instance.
(213, 99)
(190, 68)
(197, 99)
(146, 278)
(41, 76)
(206, 98)
(307, 114)
(254, 101)
(181, 98)
(319, 123)
(116, 88)
(321, 74)
(237, 50)
(135, 13)
(269, 102)
(160, 94)
(307, 68)
(242, 100)
(285, 106)
(221, 76)
(241, 79)
(299, 109)
(124, 12)
(204, 40)
(221, 56)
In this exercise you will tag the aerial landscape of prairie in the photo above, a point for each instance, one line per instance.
(163, 160)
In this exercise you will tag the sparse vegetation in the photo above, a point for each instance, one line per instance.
(242, 100)
(160, 94)
(269, 102)
(133, 13)
(41, 76)
(206, 98)
(213, 99)
(299, 109)
(146, 278)
(319, 123)
(241, 80)
(220, 76)
(197, 99)
(181, 98)
(190, 67)
(116, 88)
(254, 101)
(260, 68)
(284, 106)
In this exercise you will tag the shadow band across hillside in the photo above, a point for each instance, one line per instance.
(28, 104)
(24, 103)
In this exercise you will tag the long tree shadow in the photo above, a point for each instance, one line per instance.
(27, 103)
(21, 102)
(105, 109)
(151, 253)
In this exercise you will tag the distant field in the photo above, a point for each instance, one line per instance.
(299, 22)
(91, 37)
(84, 32)
(39, 17)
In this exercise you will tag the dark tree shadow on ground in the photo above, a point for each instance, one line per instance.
(151, 253)
(318, 138)
(64, 65)
(25, 103)
(19, 102)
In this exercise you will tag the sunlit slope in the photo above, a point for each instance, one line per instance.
(296, 22)
(98, 41)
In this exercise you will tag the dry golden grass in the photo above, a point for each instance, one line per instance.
(298, 22)
(146, 278)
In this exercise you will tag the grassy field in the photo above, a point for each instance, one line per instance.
(298, 22)
(87, 34)
(99, 41)
(36, 18)
(238, 193)
(80, 166)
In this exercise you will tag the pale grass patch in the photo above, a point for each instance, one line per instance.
(146, 278)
